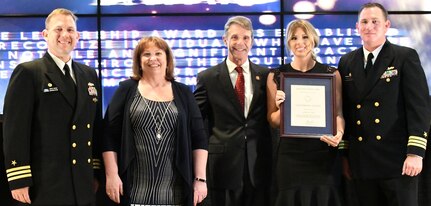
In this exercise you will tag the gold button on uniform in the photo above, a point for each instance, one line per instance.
(89, 160)
(378, 137)
(376, 104)
(73, 127)
(358, 106)
(74, 145)
(74, 161)
(358, 122)
(388, 79)
(377, 121)
(88, 126)
(360, 139)
(89, 143)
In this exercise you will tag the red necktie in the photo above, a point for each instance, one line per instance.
(239, 87)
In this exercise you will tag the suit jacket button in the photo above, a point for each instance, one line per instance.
(358, 106)
(358, 122)
(378, 137)
(377, 121)
(73, 127)
(88, 126)
(360, 139)
(74, 161)
(376, 104)
(74, 145)
(89, 143)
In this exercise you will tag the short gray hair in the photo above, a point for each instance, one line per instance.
(242, 21)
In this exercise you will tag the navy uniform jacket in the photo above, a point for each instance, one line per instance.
(48, 144)
(230, 132)
(387, 112)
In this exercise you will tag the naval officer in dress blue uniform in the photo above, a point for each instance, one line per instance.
(52, 115)
(387, 113)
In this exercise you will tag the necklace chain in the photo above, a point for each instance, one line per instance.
(158, 126)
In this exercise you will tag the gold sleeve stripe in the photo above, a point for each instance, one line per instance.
(18, 168)
(343, 144)
(96, 167)
(418, 139)
(18, 177)
(19, 173)
(418, 142)
(417, 145)
(96, 160)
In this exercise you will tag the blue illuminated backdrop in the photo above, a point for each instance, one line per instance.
(194, 35)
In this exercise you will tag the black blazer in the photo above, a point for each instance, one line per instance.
(48, 144)
(387, 112)
(230, 132)
(118, 135)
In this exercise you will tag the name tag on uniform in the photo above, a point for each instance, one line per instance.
(348, 78)
(50, 88)
(53, 89)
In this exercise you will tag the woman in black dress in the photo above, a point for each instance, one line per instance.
(304, 166)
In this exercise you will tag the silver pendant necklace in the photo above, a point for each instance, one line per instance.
(158, 126)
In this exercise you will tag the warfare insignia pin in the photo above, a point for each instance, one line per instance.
(92, 91)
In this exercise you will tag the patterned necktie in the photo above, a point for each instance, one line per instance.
(239, 87)
(369, 65)
(70, 87)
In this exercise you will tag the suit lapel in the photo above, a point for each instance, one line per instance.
(256, 81)
(226, 84)
(357, 70)
(54, 74)
(383, 60)
(81, 88)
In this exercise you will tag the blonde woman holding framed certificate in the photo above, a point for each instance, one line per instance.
(304, 166)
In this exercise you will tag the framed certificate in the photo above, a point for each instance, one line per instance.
(309, 107)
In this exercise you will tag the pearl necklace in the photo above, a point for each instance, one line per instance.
(158, 126)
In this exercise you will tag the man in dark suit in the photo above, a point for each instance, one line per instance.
(232, 99)
(52, 115)
(386, 107)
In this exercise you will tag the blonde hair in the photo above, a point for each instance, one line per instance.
(308, 29)
(160, 43)
(61, 11)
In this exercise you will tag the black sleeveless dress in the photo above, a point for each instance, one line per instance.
(305, 167)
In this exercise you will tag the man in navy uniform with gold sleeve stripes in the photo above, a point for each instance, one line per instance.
(52, 116)
(387, 112)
